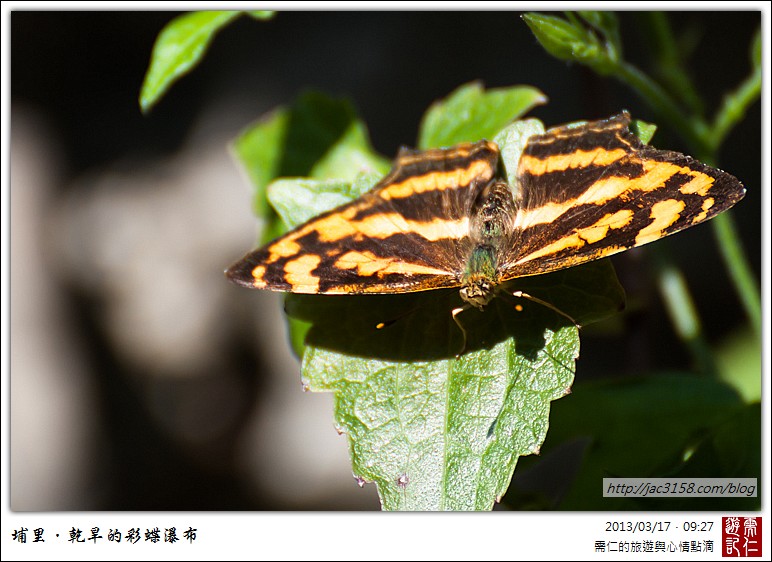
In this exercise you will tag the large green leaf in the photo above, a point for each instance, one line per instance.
(471, 113)
(432, 431)
(180, 46)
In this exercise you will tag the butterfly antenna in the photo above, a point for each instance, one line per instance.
(521, 294)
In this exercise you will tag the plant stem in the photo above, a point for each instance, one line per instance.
(733, 255)
(670, 62)
(733, 109)
(683, 314)
(691, 128)
(706, 141)
(740, 270)
(672, 285)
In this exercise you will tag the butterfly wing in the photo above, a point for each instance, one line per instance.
(594, 190)
(409, 233)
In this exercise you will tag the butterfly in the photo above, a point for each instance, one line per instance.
(447, 218)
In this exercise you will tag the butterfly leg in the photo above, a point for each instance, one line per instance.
(521, 294)
(455, 313)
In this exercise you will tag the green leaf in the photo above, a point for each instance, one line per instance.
(570, 41)
(511, 142)
(179, 47)
(259, 149)
(558, 37)
(317, 136)
(471, 113)
(605, 22)
(631, 428)
(364, 182)
(643, 130)
(442, 433)
(318, 122)
(298, 200)
(435, 432)
(350, 156)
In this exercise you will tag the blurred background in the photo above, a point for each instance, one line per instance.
(141, 379)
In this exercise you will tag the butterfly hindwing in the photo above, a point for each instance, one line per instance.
(593, 190)
(409, 233)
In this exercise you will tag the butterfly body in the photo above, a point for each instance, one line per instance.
(491, 225)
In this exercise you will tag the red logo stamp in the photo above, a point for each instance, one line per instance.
(741, 536)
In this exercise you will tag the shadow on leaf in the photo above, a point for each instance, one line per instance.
(420, 327)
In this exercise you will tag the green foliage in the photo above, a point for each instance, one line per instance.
(321, 142)
(471, 113)
(571, 40)
(438, 432)
(442, 433)
(662, 425)
(317, 136)
(720, 411)
(576, 39)
(642, 130)
(676, 104)
(180, 46)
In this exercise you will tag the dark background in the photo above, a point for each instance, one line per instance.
(81, 72)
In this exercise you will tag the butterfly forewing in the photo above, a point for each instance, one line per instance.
(594, 190)
(409, 233)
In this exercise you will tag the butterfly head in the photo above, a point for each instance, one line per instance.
(478, 291)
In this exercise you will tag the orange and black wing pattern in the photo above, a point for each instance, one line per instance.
(593, 190)
(409, 233)
(581, 193)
